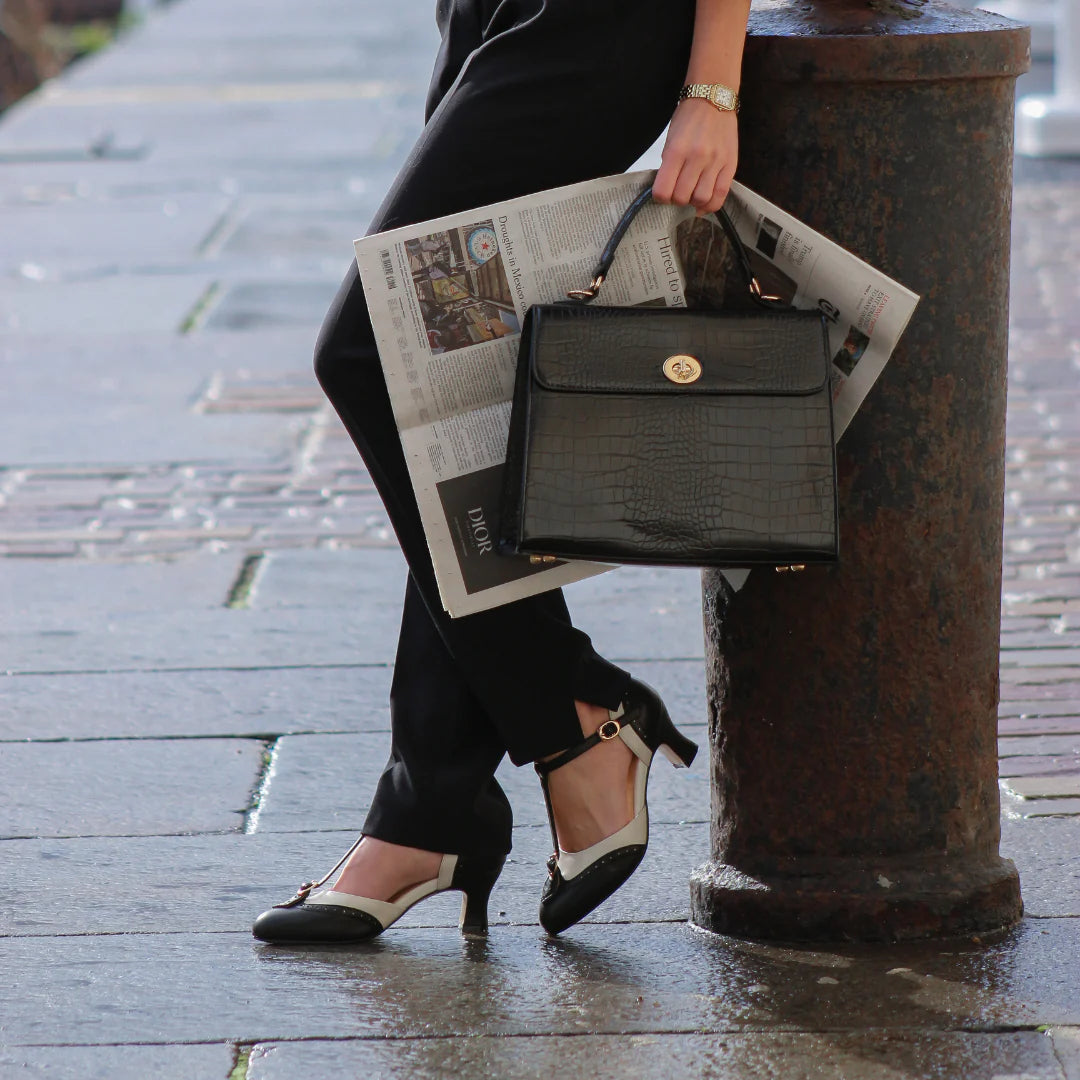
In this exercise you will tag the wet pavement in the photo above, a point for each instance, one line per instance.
(200, 597)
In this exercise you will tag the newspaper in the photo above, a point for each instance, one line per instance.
(447, 298)
(866, 311)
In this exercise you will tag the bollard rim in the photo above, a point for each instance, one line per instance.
(882, 41)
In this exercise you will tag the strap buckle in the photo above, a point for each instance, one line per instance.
(301, 895)
(306, 887)
(609, 729)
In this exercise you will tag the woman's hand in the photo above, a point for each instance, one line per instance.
(699, 157)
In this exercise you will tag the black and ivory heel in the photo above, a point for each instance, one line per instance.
(579, 881)
(331, 917)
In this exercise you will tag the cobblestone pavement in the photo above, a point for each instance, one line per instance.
(1041, 587)
(321, 497)
(200, 597)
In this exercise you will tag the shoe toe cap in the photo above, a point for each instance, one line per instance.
(315, 924)
(566, 902)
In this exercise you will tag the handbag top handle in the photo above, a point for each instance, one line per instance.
(607, 256)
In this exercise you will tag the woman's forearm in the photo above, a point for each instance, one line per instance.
(702, 145)
(719, 33)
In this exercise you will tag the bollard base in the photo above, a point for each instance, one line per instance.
(833, 900)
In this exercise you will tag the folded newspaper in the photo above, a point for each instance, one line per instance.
(447, 298)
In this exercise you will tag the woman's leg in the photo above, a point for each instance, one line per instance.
(555, 91)
(443, 754)
(438, 792)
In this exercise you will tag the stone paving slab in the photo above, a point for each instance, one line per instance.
(1032, 765)
(1035, 684)
(255, 305)
(871, 1055)
(327, 782)
(1062, 684)
(112, 411)
(599, 979)
(172, 704)
(1029, 809)
(1039, 744)
(1060, 786)
(267, 702)
(247, 21)
(75, 238)
(1067, 1047)
(120, 788)
(331, 581)
(286, 57)
(1060, 659)
(196, 129)
(1034, 724)
(31, 177)
(207, 639)
(632, 614)
(334, 582)
(1045, 852)
(1054, 703)
(39, 595)
(192, 884)
(125, 356)
(305, 232)
(212, 1062)
(1063, 626)
(641, 613)
(133, 304)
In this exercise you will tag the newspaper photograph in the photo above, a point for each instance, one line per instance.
(447, 299)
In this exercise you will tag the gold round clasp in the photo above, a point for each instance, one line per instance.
(682, 368)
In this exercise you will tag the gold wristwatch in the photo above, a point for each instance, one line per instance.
(723, 97)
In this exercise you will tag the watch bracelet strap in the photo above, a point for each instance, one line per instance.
(702, 90)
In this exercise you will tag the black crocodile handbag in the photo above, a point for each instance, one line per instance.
(671, 437)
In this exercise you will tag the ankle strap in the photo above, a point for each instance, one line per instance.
(608, 730)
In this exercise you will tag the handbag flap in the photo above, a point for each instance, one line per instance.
(574, 347)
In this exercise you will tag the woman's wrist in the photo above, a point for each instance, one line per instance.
(717, 49)
(719, 95)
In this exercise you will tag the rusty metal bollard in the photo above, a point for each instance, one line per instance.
(853, 710)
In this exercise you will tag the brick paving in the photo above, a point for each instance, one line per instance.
(323, 497)
(1040, 675)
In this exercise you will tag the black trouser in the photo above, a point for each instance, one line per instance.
(526, 95)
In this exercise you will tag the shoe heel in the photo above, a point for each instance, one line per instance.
(474, 913)
(676, 747)
(476, 883)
